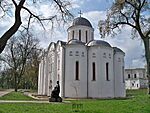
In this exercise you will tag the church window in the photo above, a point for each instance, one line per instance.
(72, 34)
(110, 56)
(107, 71)
(80, 35)
(82, 54)
(70, 53)
(77, 70)
(77, 53)
(93, 55)
(129, 76)
(94, 71)
(86, 35)
(119, 59)
(134, 75)
(104, 55)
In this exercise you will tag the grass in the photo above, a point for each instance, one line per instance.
(15, 96)
(138, 103)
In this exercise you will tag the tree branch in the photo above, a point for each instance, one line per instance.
(131, 4)
(147, 34)
(14, 2)
(124, 16)
(125, 23)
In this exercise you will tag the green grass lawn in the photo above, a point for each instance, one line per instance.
(139, 102)
(15, 96)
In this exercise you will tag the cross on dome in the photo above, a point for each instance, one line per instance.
(80, 13)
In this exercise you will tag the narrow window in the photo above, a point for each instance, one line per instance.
(93, 68)
(82, 54)
(80, 35)
(107, 71)
(77, 53)
(70, 53)
(86, 36)
(77, 70)
(128, 75)
(94, 55)
(134, 75)
(72, 34)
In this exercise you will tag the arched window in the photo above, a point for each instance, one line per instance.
(107, 71)
(72, 34)
(86, 35)
(77, 70)
(134, 75)
(94, 71)
(129, 76)
(79, 34)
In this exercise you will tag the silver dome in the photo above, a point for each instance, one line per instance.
(81, 21)
(75, 41)
(117, 50)
(98, 42)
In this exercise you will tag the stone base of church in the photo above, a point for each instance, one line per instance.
(59, 99)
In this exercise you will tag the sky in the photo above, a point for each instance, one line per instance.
(93, 10)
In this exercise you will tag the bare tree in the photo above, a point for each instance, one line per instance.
(17, 6)
(18, 53)
(134, 13)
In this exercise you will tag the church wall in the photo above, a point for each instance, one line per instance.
(45, 76)
(107, 84)
(101, 88)
(93, 85)
(60, 68)
(42, 77)
(54, 69)
(39, 79)
(75, 88)
(49, 75)
(119, 75)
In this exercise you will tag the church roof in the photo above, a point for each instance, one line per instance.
(98, 42)
(81, 21)
(117, 50)
(75, 41)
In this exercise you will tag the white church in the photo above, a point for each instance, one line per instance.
(84, 67)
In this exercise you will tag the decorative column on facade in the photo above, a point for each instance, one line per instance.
(39, 80)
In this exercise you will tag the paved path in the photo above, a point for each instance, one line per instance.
(4, 92)
(24, 101)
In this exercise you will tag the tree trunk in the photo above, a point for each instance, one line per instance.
(16, 85)
(147, 56)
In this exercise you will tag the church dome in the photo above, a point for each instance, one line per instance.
(98, 42)
(81, 21)
(117, 50)
(75, 41)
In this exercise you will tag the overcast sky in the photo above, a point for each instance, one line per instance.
(93, 10)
